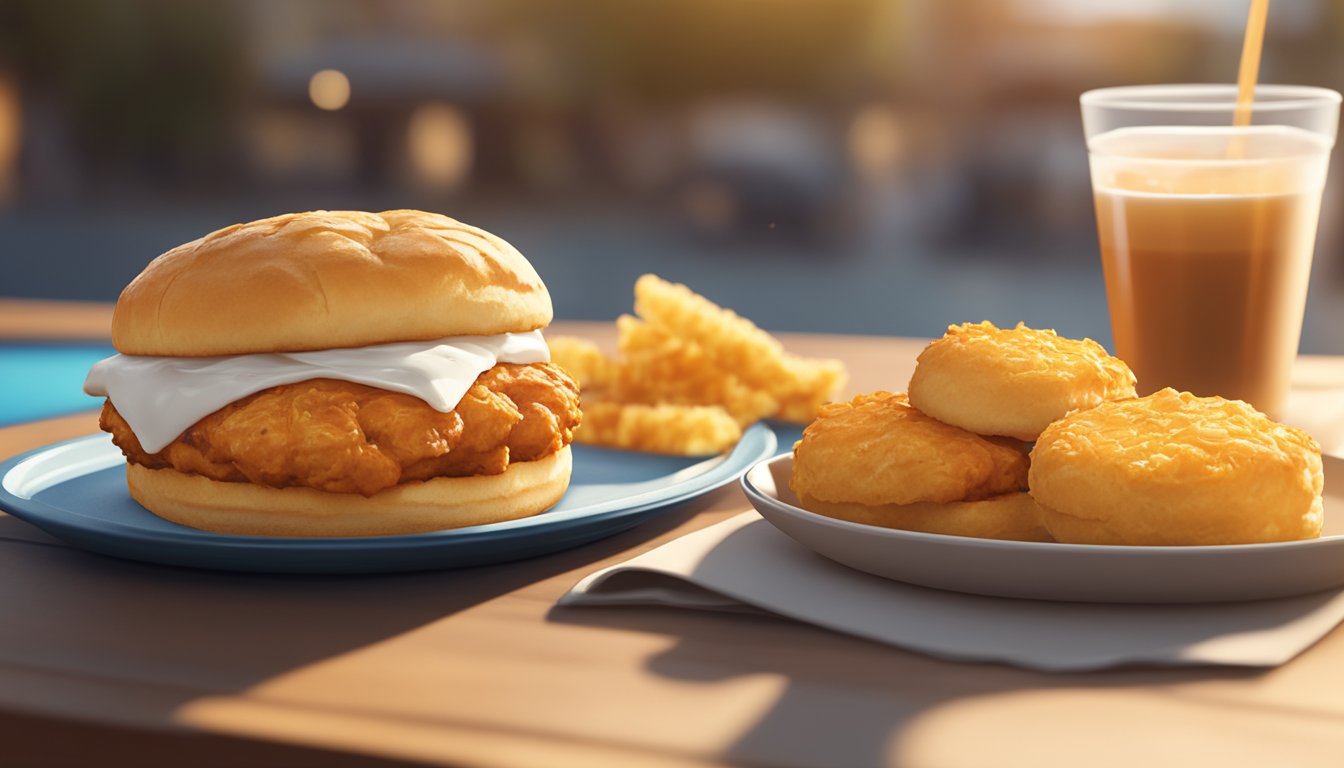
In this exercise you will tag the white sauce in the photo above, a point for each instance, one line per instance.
(160, 397)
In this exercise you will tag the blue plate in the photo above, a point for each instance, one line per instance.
(76, 491)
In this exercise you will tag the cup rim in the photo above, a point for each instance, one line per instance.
(1174, 97)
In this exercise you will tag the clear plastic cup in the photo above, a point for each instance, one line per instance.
(1207, 230)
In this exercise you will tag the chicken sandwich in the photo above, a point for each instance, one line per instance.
(338, 373)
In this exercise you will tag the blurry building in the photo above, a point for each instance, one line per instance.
(673, 103)
(844, 131)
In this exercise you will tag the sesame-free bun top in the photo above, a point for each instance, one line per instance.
(325, 280)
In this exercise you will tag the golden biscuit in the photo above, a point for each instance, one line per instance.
(878, 450)
(1012, 516)
(1175, 469)
(1014, 382)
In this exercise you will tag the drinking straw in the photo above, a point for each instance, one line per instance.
(1250, 61)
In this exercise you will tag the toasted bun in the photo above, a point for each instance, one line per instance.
(1175, 469)
(524, 489)
(1012, 516)
(328, 279)
(1013, 381)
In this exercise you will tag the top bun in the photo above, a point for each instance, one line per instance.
(328, 279)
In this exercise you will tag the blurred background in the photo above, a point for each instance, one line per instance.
(869, 166)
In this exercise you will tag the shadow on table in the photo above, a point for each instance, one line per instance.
(194, 633)
(35, 741)
(847, 700)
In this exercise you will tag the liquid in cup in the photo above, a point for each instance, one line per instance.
(1206, 238)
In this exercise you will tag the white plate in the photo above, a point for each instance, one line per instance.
(1074, 572)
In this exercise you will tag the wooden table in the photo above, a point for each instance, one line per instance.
(111, 662)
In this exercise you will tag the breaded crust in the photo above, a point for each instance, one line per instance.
(1012, 516)
(342, 437)
(878, 450)
(1013, 382)
(1175, 469)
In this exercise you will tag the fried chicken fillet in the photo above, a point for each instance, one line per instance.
(343, 437)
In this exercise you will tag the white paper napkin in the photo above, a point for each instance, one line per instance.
(745, 564)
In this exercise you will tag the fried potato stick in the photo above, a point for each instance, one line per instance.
(733, 343)
(583, 360)
(657, 367)
(818, 381)
(670, 429)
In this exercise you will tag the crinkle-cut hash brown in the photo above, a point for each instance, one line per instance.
(686, 369)
(350, 438)
(818, 381)
(681, 430)
(626, 403)
(1175, 469)
(877, 450)
(1009, 516)
(583, 361)
(656, 367)
(735, 344)
(732, 341)
(1013, 382)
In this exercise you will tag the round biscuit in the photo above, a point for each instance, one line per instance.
(877, 449)
(1013, 382)
(1010, 516)
(1175, 469)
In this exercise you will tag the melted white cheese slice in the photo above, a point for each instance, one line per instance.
(160, 397)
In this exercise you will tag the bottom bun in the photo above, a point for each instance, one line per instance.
(524, 489)
(1012, 516)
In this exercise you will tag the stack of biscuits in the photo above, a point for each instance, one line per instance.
(1021, 434)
